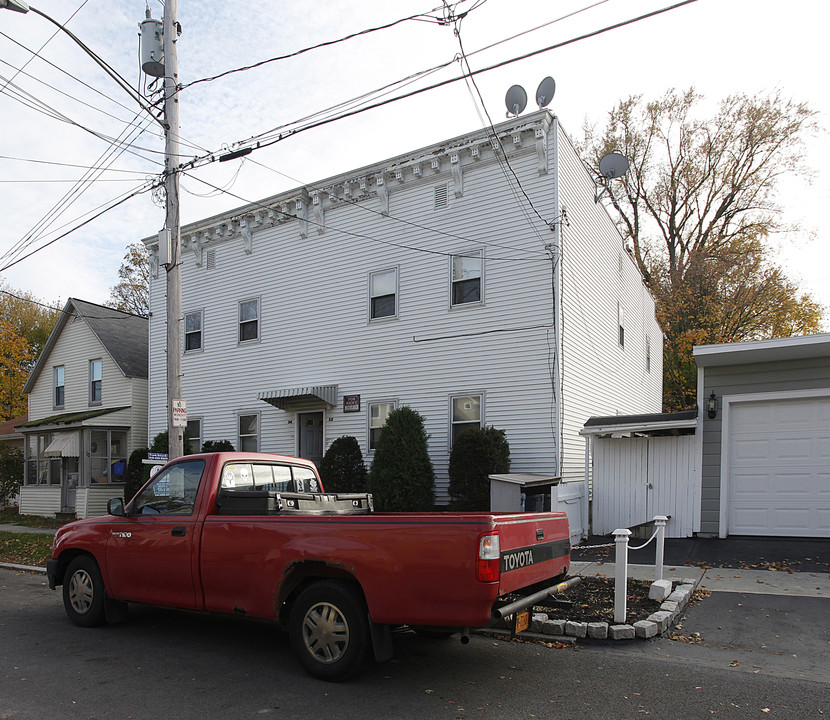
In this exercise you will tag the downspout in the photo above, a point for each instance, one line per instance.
(556, 259)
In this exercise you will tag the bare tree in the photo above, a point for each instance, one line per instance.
(132, 293)
(698, 207)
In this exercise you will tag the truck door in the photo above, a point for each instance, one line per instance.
(150, 552)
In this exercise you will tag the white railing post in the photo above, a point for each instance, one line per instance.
(660, 523)
(621, 579)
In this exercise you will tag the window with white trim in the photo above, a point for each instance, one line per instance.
(465, 414)
(249, 320)
(383, 294)
(378, 413)
(466, 278)
(59, 396)
(193, 331)
(248, 435)
(193, 435)
(96, 379)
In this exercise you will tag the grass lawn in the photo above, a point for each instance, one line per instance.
(25, 548)
(12, 517)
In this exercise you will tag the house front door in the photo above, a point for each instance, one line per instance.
(69, 482)
(311, 436)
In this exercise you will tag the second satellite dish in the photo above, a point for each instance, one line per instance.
(516, 100)
(545, 91)
(613, 165)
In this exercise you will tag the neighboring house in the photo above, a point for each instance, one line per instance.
(8, 436)
(427, 280)
(754, 460)
(10, 439)
(766, 444)
(87, 411)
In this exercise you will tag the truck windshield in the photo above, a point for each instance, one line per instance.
(172, 492)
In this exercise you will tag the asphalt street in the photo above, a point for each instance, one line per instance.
(760, 655)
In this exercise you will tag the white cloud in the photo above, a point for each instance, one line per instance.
(720, 48)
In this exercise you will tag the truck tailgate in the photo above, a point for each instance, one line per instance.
(535, 547)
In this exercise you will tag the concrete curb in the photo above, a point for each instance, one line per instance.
(27, 568)
(658, 623)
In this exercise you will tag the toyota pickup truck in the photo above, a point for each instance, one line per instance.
(255, 534)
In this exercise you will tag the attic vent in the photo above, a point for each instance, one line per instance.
(441, 197)
(211, 259)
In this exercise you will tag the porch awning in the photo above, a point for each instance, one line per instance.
(285, 396)
(64, 445)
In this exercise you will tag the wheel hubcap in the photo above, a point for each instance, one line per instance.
(325, 633)
(81, 592)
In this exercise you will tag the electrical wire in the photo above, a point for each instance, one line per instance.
(138, 191)
(390, 216)
(132, 92)
(362, 236)
(327, 43)
(83, 184)
(256, 142)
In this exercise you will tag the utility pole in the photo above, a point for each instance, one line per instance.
(172, 225)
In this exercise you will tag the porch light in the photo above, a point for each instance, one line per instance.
(712, 406)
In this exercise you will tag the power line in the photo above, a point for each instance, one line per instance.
(138, 191)
(364, 236)
(328, 43)
(257, 142)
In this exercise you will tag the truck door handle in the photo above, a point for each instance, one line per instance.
(178, 531)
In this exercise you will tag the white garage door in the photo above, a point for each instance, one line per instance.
(779, 467)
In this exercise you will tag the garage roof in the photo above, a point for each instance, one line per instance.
(791, 348)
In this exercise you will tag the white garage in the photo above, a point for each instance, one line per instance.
(777, 466)
(765, 440)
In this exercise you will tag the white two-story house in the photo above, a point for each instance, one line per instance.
(477, 281)
(87, 411)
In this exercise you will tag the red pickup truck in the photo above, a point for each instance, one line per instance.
(255, 535)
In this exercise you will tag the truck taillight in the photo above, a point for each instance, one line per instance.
(488, 565)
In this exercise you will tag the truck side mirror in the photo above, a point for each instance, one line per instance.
(115, 506)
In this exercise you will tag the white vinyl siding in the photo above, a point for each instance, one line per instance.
(427, 354)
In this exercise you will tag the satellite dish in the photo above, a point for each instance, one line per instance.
(516, 100)
(613, 165)
(545, 91)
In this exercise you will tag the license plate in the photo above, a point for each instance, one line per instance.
(521, 622)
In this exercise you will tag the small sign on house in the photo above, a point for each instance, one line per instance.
(351, 403)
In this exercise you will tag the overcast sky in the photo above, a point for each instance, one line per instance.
(60, 111)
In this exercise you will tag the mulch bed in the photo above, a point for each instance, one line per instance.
(593, 601)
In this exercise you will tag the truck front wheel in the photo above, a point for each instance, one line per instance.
(329, 630)
(83, 592)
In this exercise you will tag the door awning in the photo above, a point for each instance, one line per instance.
(63, 445)
(286, 396)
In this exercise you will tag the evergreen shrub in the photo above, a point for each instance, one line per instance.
(476, 454)
(402, 478)
(342, 469)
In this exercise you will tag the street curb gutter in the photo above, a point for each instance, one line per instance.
(27, 568)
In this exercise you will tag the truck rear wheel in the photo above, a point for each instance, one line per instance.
(329, 630)
(83, 592)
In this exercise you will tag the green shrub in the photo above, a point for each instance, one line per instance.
(137, 473)
(476, 454)
(402, 477)
(342, 469)
(217, 446)
(11, 473)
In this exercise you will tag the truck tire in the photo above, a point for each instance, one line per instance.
(329, 630)
(83, 592)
